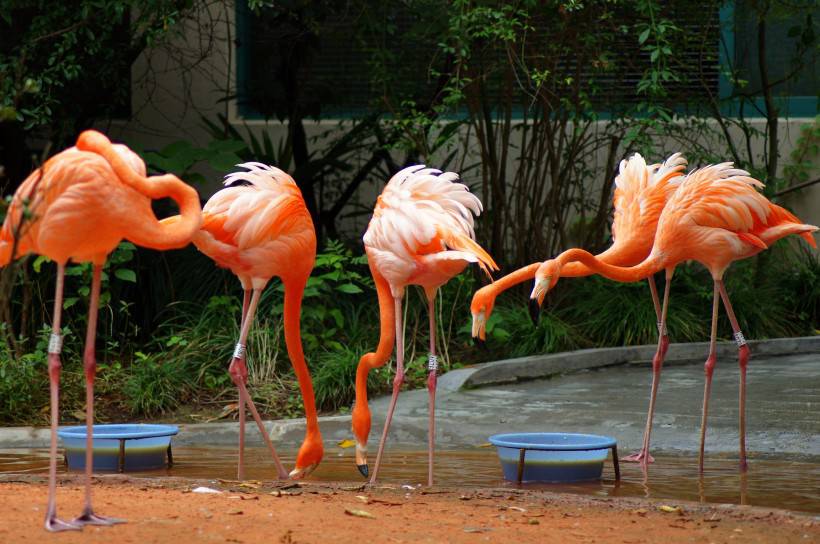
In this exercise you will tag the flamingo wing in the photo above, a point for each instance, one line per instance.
(423, 211)
(641, 192)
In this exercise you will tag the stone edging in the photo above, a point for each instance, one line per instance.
(544, 366)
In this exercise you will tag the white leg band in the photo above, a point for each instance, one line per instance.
(239, 351)
(432, 363)
(740, 340)
(55, 344)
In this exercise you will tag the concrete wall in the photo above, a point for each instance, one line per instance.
(169, 99)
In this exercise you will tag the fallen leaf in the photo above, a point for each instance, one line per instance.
(234, 512)
(347, 443)
(477, 529)
(484, 445)
(363, 498)
(670, 509)
(249, 497)
(517, 508)
(640, 511)
(249, 485)
(227, 410)
(533, 521)
(359, 513)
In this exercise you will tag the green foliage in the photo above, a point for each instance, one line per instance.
(75, 50)
(153, 386)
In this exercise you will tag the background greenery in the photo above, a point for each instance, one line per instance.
(509, 94)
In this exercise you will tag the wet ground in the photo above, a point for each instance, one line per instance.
(790, 485)
(783, 409)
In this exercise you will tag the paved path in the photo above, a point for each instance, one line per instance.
(783, 408)
(783, 411)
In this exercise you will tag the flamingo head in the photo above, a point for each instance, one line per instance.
(545, 279)
(309, 456)
(361, 430)
(481, 308)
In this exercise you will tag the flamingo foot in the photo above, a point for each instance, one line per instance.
(88, 517)
(56, 525)
(642, 457)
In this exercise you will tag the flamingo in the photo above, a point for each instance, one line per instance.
(716, 217)
(421, 233)
(80, 205)
(259, 227)
(641, 192)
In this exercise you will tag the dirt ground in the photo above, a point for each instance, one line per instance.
(168, 511)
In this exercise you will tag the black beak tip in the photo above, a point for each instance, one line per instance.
(535, 311)
(364, 470)
(479, 343)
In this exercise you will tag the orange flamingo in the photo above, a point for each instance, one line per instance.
(716, 217)
(259, 227)
(80, 205)
(421, 234)
(641, 192)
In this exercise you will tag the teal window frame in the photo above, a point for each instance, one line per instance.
(788, 106)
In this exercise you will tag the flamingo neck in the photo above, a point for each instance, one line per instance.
(293, 340)
(514, 278)
(649, 266)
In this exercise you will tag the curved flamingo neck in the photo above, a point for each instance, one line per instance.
(387, 337)
(150, 233)
(514, 278)
(294, 289)
(618, 273)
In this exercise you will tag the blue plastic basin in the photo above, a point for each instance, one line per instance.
(146, 446)
(552, 457)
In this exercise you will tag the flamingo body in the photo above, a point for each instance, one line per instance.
(78, 206)
(421, 233)
(715, 217)
(259, 227)
(641, 192)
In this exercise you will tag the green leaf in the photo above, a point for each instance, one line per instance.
(126, 274)
(644, 36)
(69, 302)
(38, 262)
(349, 288)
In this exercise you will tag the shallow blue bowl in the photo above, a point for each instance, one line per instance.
(552, 457)
(145, 445)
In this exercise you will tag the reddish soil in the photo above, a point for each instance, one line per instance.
(167, 511)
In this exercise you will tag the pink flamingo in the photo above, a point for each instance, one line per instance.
(715, 217)
(85, 201)
(421, 234)
(641, 192)
(259, 227)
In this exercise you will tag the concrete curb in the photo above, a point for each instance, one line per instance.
(545, 366)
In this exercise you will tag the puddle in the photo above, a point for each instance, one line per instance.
(791, 485)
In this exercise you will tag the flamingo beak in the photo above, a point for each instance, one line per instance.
(537, 299)
(300, 473)
(361, 459)
(479, 322)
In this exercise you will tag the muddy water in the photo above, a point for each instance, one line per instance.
(791, 485)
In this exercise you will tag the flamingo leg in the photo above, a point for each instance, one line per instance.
(239, 374)
(709, 369)
(743, 361)
(52, 522)
(397, 381)
(240, 468)
(432, 368)
(643, 455)
(88, 517)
